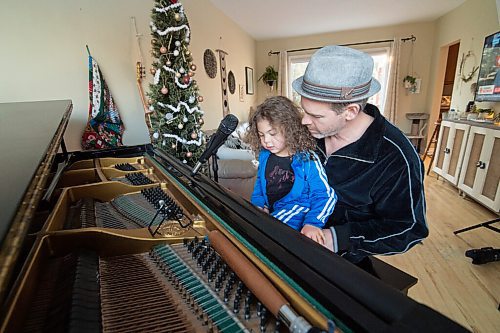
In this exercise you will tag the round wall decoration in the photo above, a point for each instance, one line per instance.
(231, 82)
(468, 66)
(210, 63)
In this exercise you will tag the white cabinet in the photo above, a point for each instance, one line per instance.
(480, 176)
(450, 150)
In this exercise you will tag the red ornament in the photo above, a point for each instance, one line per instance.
(163, 49)
(186, 79)
(173, 1)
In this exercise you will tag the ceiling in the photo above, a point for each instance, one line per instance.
(270, 19)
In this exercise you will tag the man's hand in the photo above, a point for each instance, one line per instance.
(315, 233)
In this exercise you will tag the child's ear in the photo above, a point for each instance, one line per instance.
(351, 111)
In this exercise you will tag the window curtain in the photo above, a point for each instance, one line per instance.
(391, 104)
(283, 74)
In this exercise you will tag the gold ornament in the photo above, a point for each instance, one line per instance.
(193, 67)
(177, 75)
(201, 121)
(180, 126)
(174, 146)
(189, 154)
(200, 99)
(152, 70)
(194, 135)
(163, 50)
(191, 74)
(169, 63)
(177, 17)
(164, 90)
(187, 52)
(150, 101)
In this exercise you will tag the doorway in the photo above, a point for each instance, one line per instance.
(449, 79)
(443, 91)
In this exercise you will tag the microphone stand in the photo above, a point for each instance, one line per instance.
(215, 167)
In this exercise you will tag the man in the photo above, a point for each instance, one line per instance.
(375, 170)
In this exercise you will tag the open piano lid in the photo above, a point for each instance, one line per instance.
(30, 135)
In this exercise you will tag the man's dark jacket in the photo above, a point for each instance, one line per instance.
(379, 181)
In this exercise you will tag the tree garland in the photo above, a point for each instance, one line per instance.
(467, 77)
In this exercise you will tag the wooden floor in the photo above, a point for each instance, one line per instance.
(447, 280)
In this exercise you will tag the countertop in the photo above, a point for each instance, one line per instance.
(475, 123)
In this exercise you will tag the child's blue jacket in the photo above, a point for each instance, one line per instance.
(311, 199)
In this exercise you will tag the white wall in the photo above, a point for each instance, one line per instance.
(408, 103)
(468, 24)
(44, 57)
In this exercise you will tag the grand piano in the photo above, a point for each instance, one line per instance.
(127, 240)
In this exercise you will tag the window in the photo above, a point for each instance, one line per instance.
(297, 66)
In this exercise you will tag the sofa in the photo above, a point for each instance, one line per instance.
(238, 176)
(237, 165)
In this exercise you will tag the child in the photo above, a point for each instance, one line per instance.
(291, 183)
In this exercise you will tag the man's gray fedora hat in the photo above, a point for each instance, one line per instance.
(338, 74)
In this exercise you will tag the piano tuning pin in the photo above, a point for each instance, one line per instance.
(259, 309)
(236, 305)
(247, 312)
(263, 319)
(277, 326)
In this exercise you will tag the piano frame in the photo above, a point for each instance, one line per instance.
(320, 285)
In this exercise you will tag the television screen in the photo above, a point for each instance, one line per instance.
(488, 83)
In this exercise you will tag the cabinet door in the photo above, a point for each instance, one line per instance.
(471, 161)
(456, 148)
(489, 171)
(480, 174)
(442, 147)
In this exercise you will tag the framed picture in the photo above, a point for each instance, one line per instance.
(249, 80)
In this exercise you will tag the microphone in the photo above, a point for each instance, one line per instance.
(226, 127)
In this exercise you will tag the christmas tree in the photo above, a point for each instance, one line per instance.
(176, 118)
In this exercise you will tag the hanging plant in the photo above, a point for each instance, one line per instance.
(466, 77)
(409, 81)
(269, 76)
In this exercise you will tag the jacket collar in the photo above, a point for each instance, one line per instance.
(367, 147)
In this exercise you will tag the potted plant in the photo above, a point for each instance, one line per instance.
(409, 81)
(269, 76)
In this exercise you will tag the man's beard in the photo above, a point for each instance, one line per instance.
(321, 135)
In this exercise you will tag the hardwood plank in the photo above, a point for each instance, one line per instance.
(448, 281)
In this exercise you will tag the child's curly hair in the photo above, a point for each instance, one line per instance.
(285, 116)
